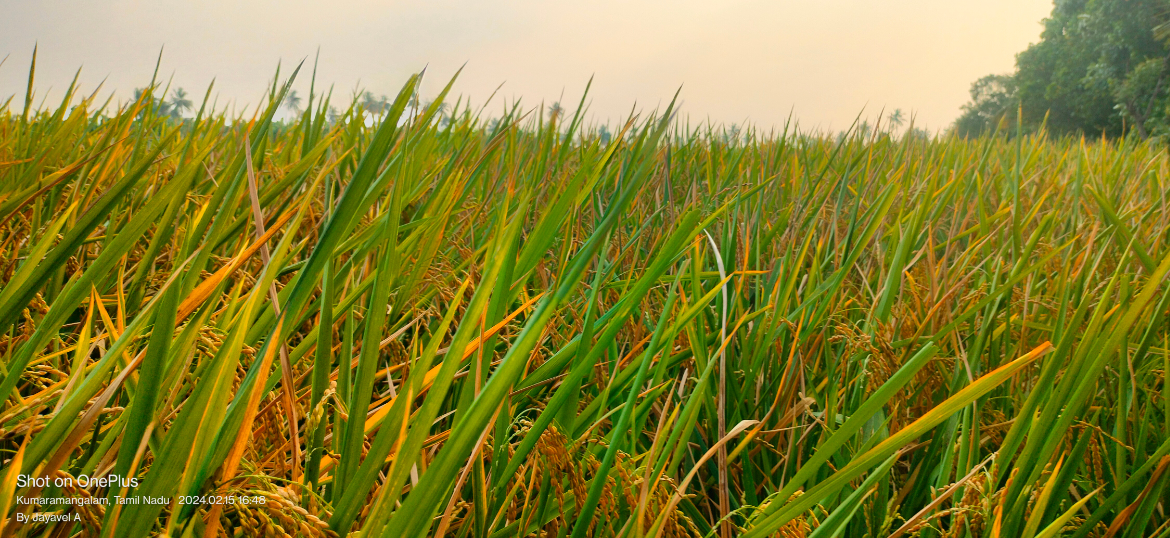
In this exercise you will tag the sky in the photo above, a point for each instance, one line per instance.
(738, 61)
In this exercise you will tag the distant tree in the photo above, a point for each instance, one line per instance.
(1141, 96)
(731, 134)
(896, 119)
(863, 129)
(161, 107)
(604, 133)
(917, 133)
(1101, 66)
(993, 99)
(374, 105)
(555, 111)
(179, 102)
(292, 102)
(138, 93)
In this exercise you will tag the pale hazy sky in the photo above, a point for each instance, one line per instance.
(736, 61)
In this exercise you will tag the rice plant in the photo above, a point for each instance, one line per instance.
(522, 324)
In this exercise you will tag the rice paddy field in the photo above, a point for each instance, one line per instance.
(410, 323)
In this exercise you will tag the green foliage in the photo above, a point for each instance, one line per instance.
(993, 103)
(1099, 68)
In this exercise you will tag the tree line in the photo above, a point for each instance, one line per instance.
(1101, 67)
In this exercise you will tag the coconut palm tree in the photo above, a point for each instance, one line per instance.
(292, 102)
(370, 104)
(555, 111)
(896, 119)
(863, 129)
(161, 107)
(179, 102)
(731, 134)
